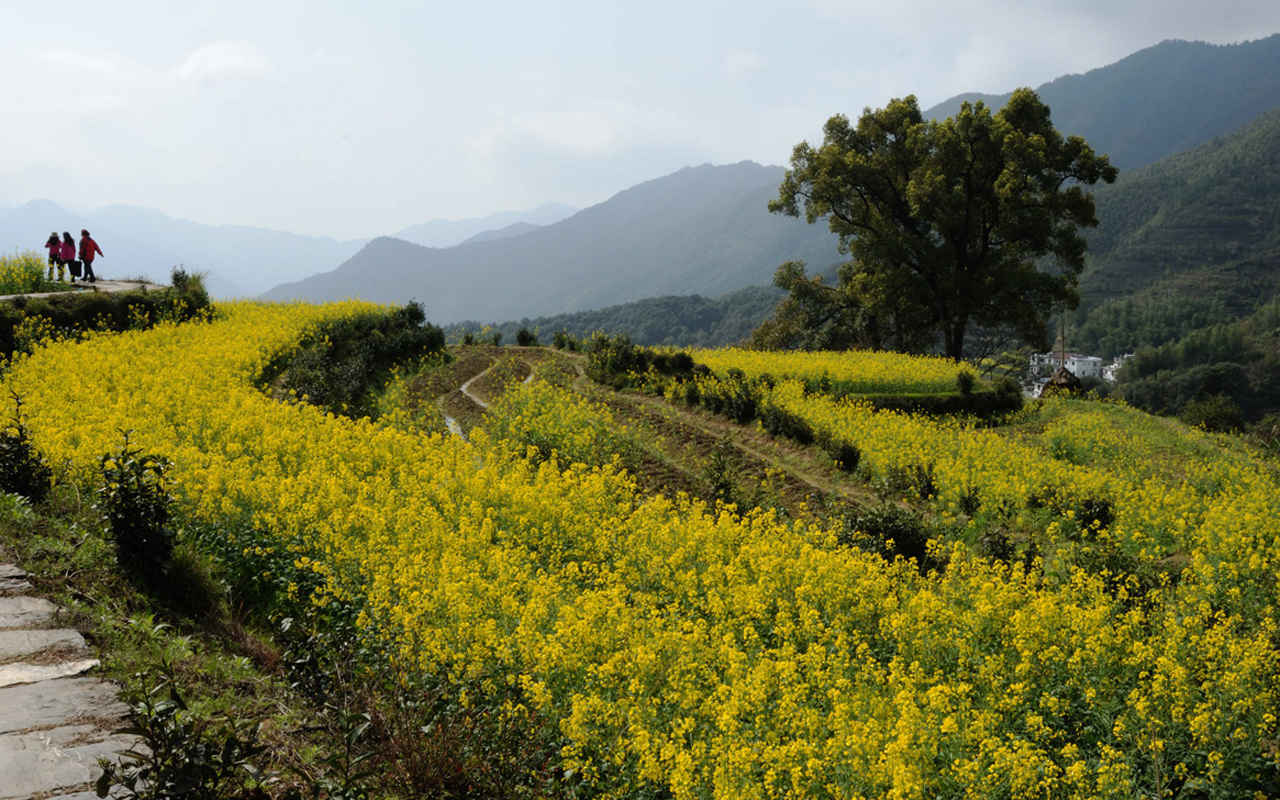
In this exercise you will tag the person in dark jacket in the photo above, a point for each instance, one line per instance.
(88, 250)
(69, 255)
(54, 246)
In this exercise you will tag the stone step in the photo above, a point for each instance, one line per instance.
(18, 644)
(47, 763)
(59, 703)
(26, 612)
(19, 672)
(13, 580)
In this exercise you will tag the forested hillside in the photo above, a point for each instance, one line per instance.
(1162, 100)
(1224, 375)
(1190, 241)
(691, 320)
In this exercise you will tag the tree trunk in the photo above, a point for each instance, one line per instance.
(953, 339)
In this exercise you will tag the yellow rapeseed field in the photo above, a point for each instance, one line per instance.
(854, 371)
(719, 655)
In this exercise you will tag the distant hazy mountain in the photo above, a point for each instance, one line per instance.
(1162, 100)
(703, 230)
(240, 261)
(1189, 241)
(450, 232)
(515, 229)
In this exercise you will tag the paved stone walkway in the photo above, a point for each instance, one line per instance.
(102, 285)
(54, 722)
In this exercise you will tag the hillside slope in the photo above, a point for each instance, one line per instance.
(684, 320)
(702, 230)
(1161, 100)
(1189, 241)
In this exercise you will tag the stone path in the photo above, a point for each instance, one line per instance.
(101, 285)
(54, 722)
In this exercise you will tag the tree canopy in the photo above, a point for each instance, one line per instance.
(947, 222)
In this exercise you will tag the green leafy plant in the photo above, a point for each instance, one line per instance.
(22, 469)
(136, 499)
(181, 755)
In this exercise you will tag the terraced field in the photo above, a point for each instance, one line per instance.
(618, 594)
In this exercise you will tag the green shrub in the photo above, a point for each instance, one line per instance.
(965, 382)
(889, 530)
(526, 338)
(184, 756)
(564, 341)
(70, 314)
(845, 454)
(342, 365)
(615, 361)
(780, 422)
(1214, 413)
(136, 499)
(22, 469)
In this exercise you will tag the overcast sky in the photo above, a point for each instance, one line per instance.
(354, 119)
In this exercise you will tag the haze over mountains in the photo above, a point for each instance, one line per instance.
(449, 232)
(239, 261)
(701, 230)
(707, 231)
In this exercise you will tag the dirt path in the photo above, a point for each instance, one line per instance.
(680, 441)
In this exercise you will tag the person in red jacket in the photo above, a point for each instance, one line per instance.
(88, 249)
(69, 256)
(54, 246)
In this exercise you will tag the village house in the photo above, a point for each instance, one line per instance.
(1080, 365)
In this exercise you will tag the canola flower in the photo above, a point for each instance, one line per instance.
(713, 654)
(849, 371)
(22, 273)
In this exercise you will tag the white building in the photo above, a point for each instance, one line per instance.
(1109, 371)
(1084, 366)
(1080, 365)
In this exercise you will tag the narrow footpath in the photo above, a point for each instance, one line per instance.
(55, 723)
(102, 285)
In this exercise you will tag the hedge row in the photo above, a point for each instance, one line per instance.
(342, 365)
(614, 361)
(69, 314)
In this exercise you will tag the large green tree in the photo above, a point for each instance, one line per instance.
(973, 220)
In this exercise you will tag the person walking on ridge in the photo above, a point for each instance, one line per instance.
(54, 246)
(69, 255)
(88, 249)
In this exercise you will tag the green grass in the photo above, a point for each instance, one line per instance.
(223, 668)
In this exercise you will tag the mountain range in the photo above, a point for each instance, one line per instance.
(707, 231)
(1190, 241)
(449, 232)
(1158, 101)
(239, 261)
(1204, 216)
(702, 230)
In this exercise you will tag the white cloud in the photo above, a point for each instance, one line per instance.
(225, 59)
